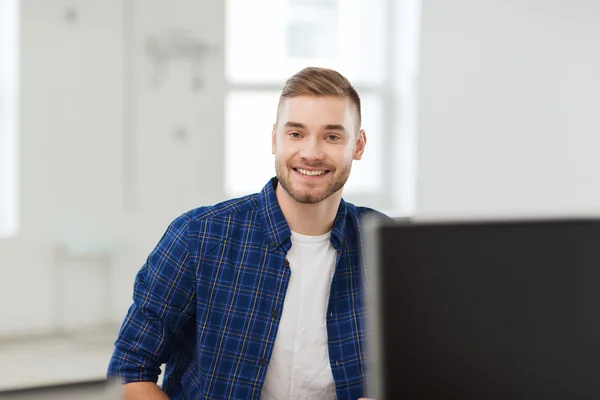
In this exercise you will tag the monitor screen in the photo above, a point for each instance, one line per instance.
(487, 310)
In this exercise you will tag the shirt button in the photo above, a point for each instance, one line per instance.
(286, 263)
(263, 362)
(273, 244)
(275, 313)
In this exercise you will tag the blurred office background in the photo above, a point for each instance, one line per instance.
(118, 115)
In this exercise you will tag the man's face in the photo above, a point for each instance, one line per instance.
(315, 140)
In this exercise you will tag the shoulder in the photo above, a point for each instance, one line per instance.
(236, 208)
(365, 212)
(362, 213)
(207, 226)
(215, 220)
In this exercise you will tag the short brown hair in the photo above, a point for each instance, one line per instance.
(316, 81)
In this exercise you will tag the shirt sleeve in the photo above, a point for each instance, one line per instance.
(163, 307)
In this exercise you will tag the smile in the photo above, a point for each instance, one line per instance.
(310, 173)
(313, 173)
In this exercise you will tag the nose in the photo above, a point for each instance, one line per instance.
(311, 150)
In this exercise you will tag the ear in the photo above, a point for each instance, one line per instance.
(274, 139)
(361, 142)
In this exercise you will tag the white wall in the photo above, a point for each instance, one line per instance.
(70, 157)
(505, 124)
(509, 94)
(101, 168)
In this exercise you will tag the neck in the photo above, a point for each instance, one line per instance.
(309, 219)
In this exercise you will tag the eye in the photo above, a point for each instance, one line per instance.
(295, 135)
(333, 138)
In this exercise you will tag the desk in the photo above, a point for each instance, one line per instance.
(52, 361)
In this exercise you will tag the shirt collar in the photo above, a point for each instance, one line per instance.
(277, 230)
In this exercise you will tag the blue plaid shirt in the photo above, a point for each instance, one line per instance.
(208, 301)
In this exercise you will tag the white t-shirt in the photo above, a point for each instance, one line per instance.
(299, 367)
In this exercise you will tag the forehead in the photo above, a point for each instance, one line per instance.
(320, 110)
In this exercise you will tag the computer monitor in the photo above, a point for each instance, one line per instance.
(488, 310)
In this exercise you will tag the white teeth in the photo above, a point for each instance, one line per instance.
(310, 173)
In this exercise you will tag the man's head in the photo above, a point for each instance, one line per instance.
(317, 134)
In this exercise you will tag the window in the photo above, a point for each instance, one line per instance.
(346, 35)
(9, 29)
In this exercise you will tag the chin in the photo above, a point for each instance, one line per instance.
(309, 196)
(310, 199)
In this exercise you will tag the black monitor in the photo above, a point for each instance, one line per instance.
(494, 310)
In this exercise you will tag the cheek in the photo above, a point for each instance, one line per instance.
(282, 154)
(348, 153)
(284, 149)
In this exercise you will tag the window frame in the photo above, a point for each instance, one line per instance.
(9, 117)
(384, 198)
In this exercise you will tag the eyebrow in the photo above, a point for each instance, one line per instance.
(329, 127)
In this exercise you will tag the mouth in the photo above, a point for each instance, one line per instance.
(311, 173)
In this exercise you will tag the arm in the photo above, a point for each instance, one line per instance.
(143, 391)
(163, 306)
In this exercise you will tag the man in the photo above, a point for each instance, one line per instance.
(261, 296)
